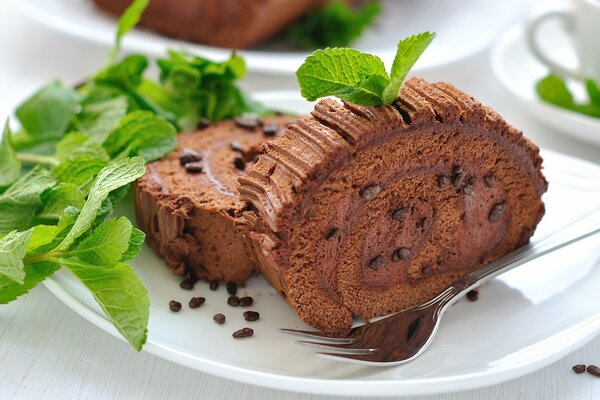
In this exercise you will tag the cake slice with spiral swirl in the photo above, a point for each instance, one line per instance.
(369, 210)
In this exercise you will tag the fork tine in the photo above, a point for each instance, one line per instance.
(338, 348)
(317, 335)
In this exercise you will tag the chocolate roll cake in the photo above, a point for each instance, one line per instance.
(187, 202)
(369, 210)
(233, 24)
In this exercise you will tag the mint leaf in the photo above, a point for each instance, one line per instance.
(127, 22)
(20, 202)
(408, 52)
(554, 90)
(345, 73)
(136, 241)
(120, 293)
(98, 117)
(41, 236)
(111, 177)
(35, 273)
(47, 113)
(593, 91)
(10, 167)
(12, 251)
(59, 197)
(79, 171)
(142, 133)
(336, 24)
(107, 243)
(76, 144)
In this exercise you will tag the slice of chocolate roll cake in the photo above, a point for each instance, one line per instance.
(369, 210)
(186, 202)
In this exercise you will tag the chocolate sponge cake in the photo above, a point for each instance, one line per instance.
(227, 23)
(369, 210)
(187, 202)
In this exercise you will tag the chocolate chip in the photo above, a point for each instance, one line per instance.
(196, 302)
(236, 146)
(251, 315)
(594, 370)
(203, 123)
(233, 301)
(188, 156)
(187, 284)
(213, 285)
(443, 181)
(270, 130)
(219, 319)
(457, 179)
(421, 223)
(247, 122)
(497, 212)
(246, 301)
(425, 269)
(579, 368)
(457, 169)
(231, 288)
(175, 306)
(377, 263)
(473, 295)
(369, 192)
(242, 333)
(472, 181)
(333, 234)
(402, 254)
(239, 163)
(468, 190)
(401, 213)
(490, 181)
(194, 167)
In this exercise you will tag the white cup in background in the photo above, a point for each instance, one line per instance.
(582, 23)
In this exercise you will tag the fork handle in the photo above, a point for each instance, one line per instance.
(580, 229)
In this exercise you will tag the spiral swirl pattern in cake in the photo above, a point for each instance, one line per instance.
(369, 210)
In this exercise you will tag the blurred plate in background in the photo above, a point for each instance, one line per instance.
(518, 71)
(464, 27)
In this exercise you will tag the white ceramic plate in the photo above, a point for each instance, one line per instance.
(523, 321)
(518, 70)
(463, 26)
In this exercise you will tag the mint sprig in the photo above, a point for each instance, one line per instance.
(554, 90)
(358, 77)
(335, 24)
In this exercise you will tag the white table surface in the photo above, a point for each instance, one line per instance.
(47, 351)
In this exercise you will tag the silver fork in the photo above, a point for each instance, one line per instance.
(402, 337)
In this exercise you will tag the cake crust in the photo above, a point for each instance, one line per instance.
(188, 214)
(370, 210)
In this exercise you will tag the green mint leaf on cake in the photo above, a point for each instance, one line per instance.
(335, 24)
(343, 73)
(120, 293)
(408, 52)
(20, 202)
(358, 77)
(10, 167)
(127, 22)
(12, 250)
(46, 115)
(59, 197)
(110, 178)
(76, 144)
(554, 90)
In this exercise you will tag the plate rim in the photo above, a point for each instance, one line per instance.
(513, 34)
(568, 340)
